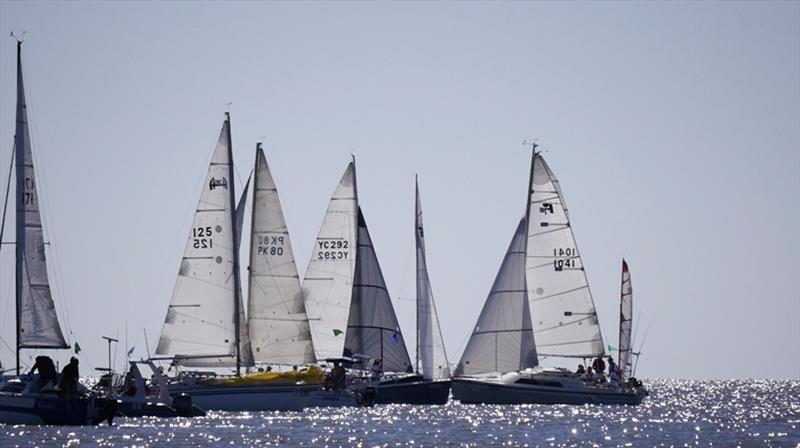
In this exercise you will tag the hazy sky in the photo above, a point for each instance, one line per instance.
(674, 128)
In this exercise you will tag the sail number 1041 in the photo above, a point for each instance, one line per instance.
(333, 249)
(565, 258)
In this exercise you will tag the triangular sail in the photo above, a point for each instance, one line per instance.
(563, 311)
(246, 354)
(38, 322)
(625, 323)
(430, 345)
(328, 282)
(372, 327)
(502, 340)
(200, 322)
(278, 322)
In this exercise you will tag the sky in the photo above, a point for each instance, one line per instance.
(674, 128)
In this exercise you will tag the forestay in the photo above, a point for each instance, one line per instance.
(38, 321)
(372, 327)
(200, 322)
(430, 344)
(564, 315)
(328, 282)
(625, 323)
(502, 340)
(278, 322)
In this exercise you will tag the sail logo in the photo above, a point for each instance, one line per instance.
(221, 182)
(546, 208)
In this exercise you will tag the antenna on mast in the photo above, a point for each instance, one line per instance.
(19, 41)
(532, 144)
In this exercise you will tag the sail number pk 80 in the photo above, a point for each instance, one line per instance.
(333, 249)
(270, 245)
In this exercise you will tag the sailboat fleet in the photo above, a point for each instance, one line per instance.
(334, 339)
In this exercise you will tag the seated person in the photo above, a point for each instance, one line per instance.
(47, 371)
(581, 371)
(339, 375)
(589, 376)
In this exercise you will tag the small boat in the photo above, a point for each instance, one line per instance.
(205, 326)
(27, 399)
(540, 305)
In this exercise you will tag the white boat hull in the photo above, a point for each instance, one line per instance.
(251, 398)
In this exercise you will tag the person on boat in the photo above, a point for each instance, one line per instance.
(69, 378)
(339, 375)
(598, 365)
(581, 371)
(376, 370)
(589, 376)
(47, 371)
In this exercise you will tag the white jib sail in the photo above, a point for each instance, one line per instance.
(372, 327)
(328, 283)
(430, 344)
(279, 331)
(564, 316)
(38, 321)
(625, 324)
(200, 318)
(502, 340)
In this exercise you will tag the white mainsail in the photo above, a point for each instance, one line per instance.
(200, 327)
(328, 282)
(277, 315)
(625, 323)
(38, 325)
(564, 316)
(430, 345)
(372, 327)
(502, 340)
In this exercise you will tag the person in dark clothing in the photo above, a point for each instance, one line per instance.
(47, 371)
(599, 365)
(69, 378)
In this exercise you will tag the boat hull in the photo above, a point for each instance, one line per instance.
(471, 391)
(249, 397)
(44, 409)
(414, 392)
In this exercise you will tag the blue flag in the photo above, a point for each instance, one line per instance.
(395, 337)
(130, 352)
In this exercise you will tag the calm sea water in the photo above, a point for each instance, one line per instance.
(677, 413)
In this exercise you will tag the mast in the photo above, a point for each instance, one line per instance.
(19, 150)
(236, 279)
(416, 230)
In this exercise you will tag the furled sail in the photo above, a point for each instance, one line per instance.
(563, 311)
(38, 322)
(328, 282)
(625, 323)
(372, 327)
(430, 345)
(278, 322)
(502, 340)
(200, 322)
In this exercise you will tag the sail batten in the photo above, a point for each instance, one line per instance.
(562, 308)
(37, 320)
(279, 327)
(503, 339)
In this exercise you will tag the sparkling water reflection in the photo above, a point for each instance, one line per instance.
(678, 413)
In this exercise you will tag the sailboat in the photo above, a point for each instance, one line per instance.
(205, 324)
(539, 305)
(625, 362)
(349, 307)
(37, 325)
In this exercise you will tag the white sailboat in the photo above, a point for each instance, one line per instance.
(205, 324)
(22, 401)
(540, 305)
(349, 307)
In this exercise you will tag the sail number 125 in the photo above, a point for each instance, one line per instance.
(202, 238)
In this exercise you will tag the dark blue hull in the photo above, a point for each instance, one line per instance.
(413, 390)
(46, 409)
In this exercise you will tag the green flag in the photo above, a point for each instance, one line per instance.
(77, 348)
(337, 332)
(611, 348)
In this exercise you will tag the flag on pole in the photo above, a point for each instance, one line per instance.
(77, 348)
(395, 338)
(337, 332)
(611, 348)
(130, 352)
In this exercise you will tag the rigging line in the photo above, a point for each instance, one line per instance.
(8, 190)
